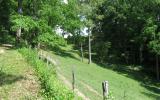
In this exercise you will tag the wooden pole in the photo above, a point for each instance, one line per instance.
(89, 49)
(82, 52)
(18, 33)
(40, 55)
(105, 88)
(47, 61)
(73, 79)
(141, 53)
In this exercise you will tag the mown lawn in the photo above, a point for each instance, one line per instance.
(17, 78)
(121, 85)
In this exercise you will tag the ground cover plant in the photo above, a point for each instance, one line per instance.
(51, 87)
(17, 78)
(122, 85)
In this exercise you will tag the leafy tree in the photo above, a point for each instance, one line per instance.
(88, 15)
(153, 35)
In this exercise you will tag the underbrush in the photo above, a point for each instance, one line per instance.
(51, 87)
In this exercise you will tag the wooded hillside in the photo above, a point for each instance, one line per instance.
(117, 32)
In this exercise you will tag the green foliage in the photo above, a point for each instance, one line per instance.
(103, 52)
(131, 26)
(150, 31)
(52, 88)
(125, 82)
(5, 37)
(110, 96)
(36, 31)
(155, 46)
(40, 17)
(25, 22)
(128, 25)
(46, 12)
(51, 40)
(14, 68)
(72, 20)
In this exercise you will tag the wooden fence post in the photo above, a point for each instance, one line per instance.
(47, 61)
(41, 54)
(105, 88)
(73, 79)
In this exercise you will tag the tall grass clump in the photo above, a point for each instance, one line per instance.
(51, 87)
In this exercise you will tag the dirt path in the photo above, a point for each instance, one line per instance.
(76, 90)
(17, 79)
(91, 89)
(79, 93)
(44, 55)
(57, 64)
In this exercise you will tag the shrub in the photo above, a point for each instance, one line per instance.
(51, 87)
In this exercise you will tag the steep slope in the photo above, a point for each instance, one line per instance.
(89, 78)
(17, 78)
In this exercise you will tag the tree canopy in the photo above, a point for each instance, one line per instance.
(123, 31)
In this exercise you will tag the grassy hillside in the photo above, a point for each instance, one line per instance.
(52, 89)
(17, 78)
(90, 77)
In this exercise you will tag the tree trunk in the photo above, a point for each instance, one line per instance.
(157, 67)
(89, 36)
(82, 56)
(20, 6)
(18, 35)
(141, 53)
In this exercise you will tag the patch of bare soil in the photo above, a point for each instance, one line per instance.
(26, 89)
(1, 51)
(23, 85)
(61, 77)
(77, 91)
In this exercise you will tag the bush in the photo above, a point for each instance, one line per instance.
(52, 89)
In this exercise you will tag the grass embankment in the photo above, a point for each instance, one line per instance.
(52, 88)
(122, 86)
(17, 78)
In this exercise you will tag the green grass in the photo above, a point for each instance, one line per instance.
(14, 74)
(122, 86)
(52, 88)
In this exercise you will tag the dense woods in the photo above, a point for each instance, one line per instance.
(123, 32)
(128, 33)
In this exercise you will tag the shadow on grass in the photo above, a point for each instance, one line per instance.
(133, 72)
(63, 53)
(157, 97)
(6, 79)
(152, 88)
(137, 73)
